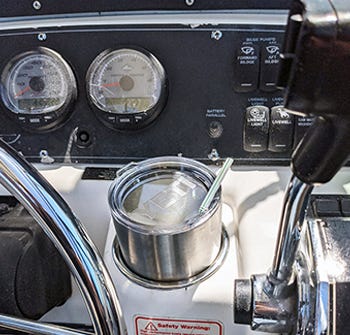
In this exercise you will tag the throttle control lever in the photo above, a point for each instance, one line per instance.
(315, 71)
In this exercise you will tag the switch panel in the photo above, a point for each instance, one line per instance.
(218, 89)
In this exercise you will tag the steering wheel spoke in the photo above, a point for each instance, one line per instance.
(55, 217)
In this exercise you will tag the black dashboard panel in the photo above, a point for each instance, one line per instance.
(205, 113)
(47, 7)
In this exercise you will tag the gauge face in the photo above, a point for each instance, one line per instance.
(126, 82)
(37, 82)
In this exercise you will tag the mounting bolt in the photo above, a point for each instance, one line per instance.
(45, 158)
(216, 35)
(189, 2)
(42, 36)
(36, 5)
(214, 155)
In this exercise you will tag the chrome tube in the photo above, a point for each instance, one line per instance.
(268, 302)
(34, 327)
(293, 215)
(59, 223)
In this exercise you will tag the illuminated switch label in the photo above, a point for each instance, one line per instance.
(281, 130)
(246, 68)
(270, 56)
(256, 128)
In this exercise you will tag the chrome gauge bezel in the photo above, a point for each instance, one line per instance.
(45, 119)
(130, 120)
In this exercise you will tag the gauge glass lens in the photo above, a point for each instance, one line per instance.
(125, 81)
(37, 83)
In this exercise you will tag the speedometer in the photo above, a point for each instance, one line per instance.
(38, 87)
(126, 87)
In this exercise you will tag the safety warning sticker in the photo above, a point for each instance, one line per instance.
(167, 326)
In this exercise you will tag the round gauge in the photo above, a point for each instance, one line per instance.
(38, 87)
(126, 87)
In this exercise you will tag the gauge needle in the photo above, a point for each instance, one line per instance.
(22, 92)
(111, 84)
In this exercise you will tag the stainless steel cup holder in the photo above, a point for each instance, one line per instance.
(176, 284)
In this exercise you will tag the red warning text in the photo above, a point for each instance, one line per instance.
(168, 326)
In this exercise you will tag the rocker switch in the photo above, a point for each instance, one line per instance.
(269, 67)
(246, 68)
(281, 130)
(256, 129)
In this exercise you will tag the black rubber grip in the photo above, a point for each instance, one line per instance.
(323, 150)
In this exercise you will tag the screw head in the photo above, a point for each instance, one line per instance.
(214, 155)
(43, 153)
(45, 158)
(189, 2)
(216, 35)
(42, 36)
(36, 5)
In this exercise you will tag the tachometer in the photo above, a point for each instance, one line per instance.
(38, 87)
(126, 87)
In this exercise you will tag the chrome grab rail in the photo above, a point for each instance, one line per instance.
(69, 236)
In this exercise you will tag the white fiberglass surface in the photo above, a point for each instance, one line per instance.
(251, 213)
